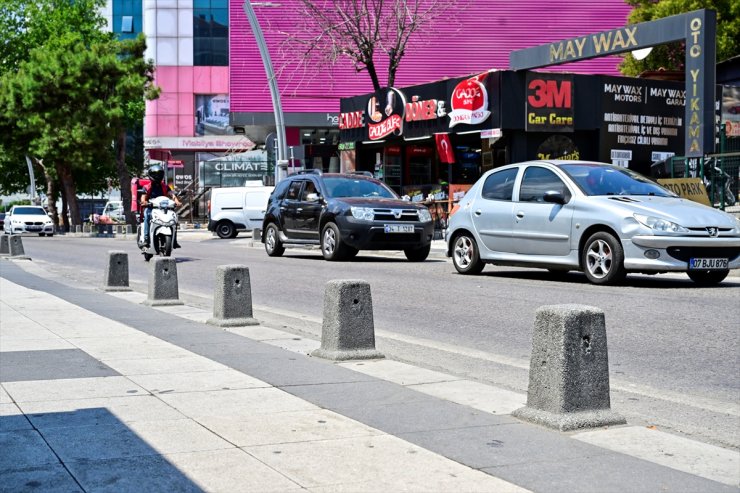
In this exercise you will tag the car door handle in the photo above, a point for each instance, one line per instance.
(520, 215)
(300, 209)
(478, 212)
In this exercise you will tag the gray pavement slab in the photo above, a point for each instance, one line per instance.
(29, 450)
(18, 366)
(51, 478)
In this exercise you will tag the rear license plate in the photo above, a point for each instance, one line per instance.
(708, 263)
(399, 228)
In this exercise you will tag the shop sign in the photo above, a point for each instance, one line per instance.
(388, 119)
(642, 117)
(347, 146)
(207, 142)
(549, 102)
(469, 101)
(689, 188)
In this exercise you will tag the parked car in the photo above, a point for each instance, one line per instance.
(28, 219)
(234, 209)
(344, 213)
(600, 219)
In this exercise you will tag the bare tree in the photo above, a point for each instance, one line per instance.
(331, 31)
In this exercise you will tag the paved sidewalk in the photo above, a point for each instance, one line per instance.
(100, 393)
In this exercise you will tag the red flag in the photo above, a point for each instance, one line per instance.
(444, 148)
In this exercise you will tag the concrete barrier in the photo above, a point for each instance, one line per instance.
(78, 230)
(4, 245)
(163, 288)
(348, 330)
(232, 299)
(116, 273)
(257, 235)
(15, 248)
(569, 370)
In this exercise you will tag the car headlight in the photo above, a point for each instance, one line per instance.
(659, 224)
(363, 213)
(424, 215)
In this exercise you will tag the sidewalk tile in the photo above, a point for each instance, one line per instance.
(12, 419)
(259, 332)
(376, 463)
(50, 478)
(284, 427)
(9, 344)
(76, 388)
(395, 371)
(178, 364)
(235, 403)
(138, 347)
(476, 395)
(199, 381)
(23, 449)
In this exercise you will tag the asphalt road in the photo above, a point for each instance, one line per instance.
(673, 347)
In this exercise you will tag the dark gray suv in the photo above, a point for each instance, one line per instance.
(344, 213)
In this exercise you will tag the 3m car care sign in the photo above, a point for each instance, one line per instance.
(469, 102)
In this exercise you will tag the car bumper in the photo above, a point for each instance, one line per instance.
(16, 230)
(364, 236)
(675, 252)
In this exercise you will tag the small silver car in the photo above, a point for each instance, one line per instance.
(597, 218)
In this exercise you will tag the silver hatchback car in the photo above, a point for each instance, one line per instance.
(597, 218)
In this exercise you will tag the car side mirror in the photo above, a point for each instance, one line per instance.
(312, 197)
(554, 197)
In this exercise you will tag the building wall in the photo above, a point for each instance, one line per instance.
(477, 36)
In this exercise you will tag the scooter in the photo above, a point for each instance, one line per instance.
(162, 229)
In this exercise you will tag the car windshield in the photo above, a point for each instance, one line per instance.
(595, 179)
(31, 211)
(356, 187)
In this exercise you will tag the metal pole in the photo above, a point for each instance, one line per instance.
(272, 81)
(32, 190)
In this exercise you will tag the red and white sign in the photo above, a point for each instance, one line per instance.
(469, 102)
(386, 127)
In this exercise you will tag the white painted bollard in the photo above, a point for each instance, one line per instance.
(163, 288)
(232, 297)
(569, 370)
(116, 273)
(348, 330)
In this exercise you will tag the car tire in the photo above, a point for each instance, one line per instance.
(332, 246)
(225, 230)
(603, 259)
(465, 256)
(708, 277)
(417, 254)
(273, 246)
(50, 235)
(42, 234)
(165, 246)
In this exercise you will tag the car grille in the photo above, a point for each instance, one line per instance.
(686, 253)
(388, 215)
(31, 223)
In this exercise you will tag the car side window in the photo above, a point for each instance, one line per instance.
(280, 190)
(294, 190)
(537, 181)
(308, 189)
(499, 185)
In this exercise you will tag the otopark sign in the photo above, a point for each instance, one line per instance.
(697, 29)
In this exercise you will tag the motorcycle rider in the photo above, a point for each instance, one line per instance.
(156, 188)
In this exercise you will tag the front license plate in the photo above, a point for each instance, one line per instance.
(33, 228)
(399, 228)
(708, 263)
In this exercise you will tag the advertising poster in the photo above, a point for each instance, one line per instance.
(212, 114)
(235, 169)
(549, 102)
(731, 110)
(642, 122)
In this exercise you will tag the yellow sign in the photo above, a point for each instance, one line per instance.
(689, 188)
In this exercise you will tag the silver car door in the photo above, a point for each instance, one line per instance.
(541, 228)
(492, 211)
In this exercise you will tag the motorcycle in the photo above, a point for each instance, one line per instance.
(162, 229)
(719, 187)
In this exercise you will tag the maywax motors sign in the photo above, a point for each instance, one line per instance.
(697, 29)
(640, 119)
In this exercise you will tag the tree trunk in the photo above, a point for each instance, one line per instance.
(70, 191)
(124, 177)
(65, 216)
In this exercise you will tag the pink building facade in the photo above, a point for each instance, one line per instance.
(475, 37)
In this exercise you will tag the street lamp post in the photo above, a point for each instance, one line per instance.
(272, 81)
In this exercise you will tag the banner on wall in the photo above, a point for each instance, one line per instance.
(212, 114)
(444, 148)
(549, 102)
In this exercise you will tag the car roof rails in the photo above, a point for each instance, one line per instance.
(363, 173)
(309, 172)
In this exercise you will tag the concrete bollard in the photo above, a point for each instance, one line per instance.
(348, 330)
(128, 229)
(163, 289)
(116, 274)
(15, 248)
(257, 235)
(4, 245)
(78, 230)
(569, 370)
(232, 300)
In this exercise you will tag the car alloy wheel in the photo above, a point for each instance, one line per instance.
(332, 246)
(273, 247)
(603, 259)
(465, 255)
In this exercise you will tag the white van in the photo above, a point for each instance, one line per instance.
(235, 209)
